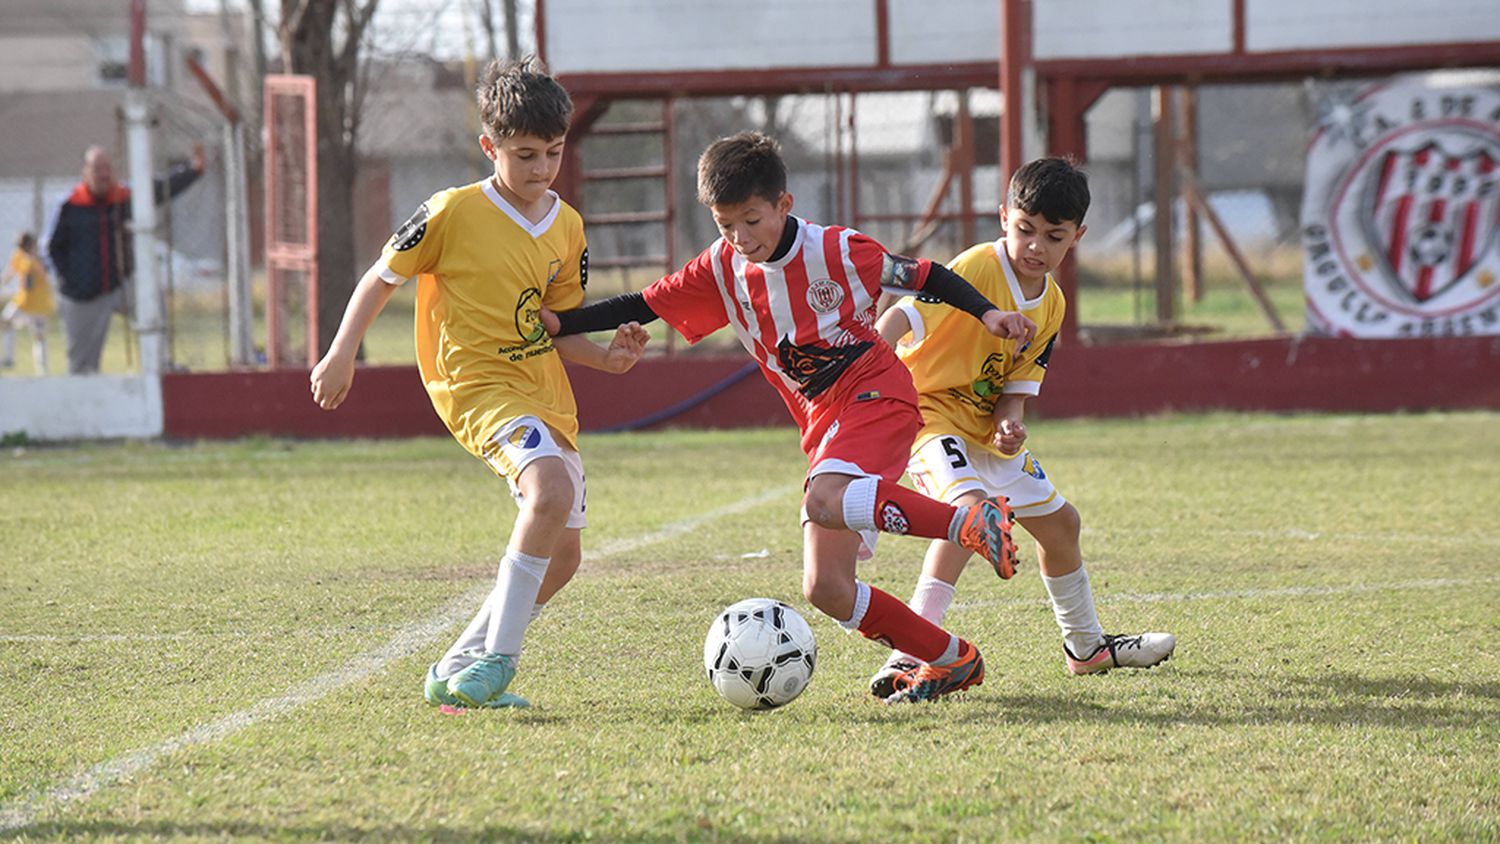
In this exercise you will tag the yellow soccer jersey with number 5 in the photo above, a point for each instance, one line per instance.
(960, 369)
(484, 271)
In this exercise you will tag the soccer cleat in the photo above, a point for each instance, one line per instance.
(1142, 650)
(931, 682)
(483, 680)
(436, 690)
(985, 530)
(893, 677)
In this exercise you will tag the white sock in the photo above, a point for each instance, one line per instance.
(861, 606)
(511, 603)
(536, 610)
(472, 639)
(1073, 606)
(859, 504)
(930, 599)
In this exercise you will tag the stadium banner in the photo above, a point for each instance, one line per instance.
(1401, 210)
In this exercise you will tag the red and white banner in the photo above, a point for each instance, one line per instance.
(1401, 212)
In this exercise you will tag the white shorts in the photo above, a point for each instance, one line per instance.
(944, 467)
(526, 438)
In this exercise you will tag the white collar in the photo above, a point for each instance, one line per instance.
(536, 230)
(1022, 303)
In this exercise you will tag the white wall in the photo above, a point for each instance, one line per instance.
(945, 32)
(1297, 24)
(81, 407)
(625, 35)
(1064, 29)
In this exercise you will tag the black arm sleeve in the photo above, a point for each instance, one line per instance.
(602, 316)
(947, 286)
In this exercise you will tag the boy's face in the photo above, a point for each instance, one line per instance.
(525, 165)
(753, 227)
(1034, 244)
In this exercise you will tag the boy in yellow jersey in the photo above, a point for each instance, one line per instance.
(487, 257)
(973, 389)
(30, 306)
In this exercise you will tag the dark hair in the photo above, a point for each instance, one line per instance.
(520, 98)
(26, 241)
(736, 168)
(1052, 187)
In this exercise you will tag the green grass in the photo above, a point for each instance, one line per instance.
(1332, 580)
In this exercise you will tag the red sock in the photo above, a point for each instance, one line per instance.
(900, 510)
(894, 623)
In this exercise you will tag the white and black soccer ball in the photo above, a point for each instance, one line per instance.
(759, 654)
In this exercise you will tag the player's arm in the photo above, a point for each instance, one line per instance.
(613, 312)
(900, 274)
(893, 325)
(627, 346)
(334, 374)
(953, 289)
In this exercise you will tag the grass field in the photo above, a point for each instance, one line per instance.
(227, 641)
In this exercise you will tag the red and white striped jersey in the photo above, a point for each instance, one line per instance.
(805, 317)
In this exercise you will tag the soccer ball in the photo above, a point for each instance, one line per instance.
(759, 654)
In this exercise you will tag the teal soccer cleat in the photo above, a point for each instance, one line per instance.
(484, 680)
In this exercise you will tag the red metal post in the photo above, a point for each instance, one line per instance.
(1013, 56)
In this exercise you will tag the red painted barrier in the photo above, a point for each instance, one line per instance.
(1279, 374)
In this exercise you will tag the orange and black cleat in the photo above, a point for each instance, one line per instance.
(931, 682)
(985, 530)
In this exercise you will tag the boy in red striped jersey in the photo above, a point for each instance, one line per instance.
(801, 298)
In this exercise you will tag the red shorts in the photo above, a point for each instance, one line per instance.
(870, 436)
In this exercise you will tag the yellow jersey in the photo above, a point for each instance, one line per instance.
(483, 272)
(960, 369)
(35, 294)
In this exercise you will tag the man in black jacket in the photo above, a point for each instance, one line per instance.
(90, 248)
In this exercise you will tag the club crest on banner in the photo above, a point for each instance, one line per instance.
(1401, 214)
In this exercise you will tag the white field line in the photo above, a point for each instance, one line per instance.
(23, 811)
(1242, 594)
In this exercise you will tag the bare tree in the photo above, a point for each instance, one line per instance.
(323, 39)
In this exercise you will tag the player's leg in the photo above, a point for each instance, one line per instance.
(931, 599)
(8, 335)
(1087, 648)
(39, 344)
(546, 481)
(847, 494)
(830, 585)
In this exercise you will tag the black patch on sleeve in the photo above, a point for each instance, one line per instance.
(411, 231)
(583, 269)
(1046, 356)
(899, 271)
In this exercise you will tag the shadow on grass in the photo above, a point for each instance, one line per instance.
(1336, 698)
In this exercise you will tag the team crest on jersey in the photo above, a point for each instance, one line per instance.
(825, 295)
(1401, 215)
(984, 391)
(529, 316)
(893, 518)
(411, 231)
(525, 436)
